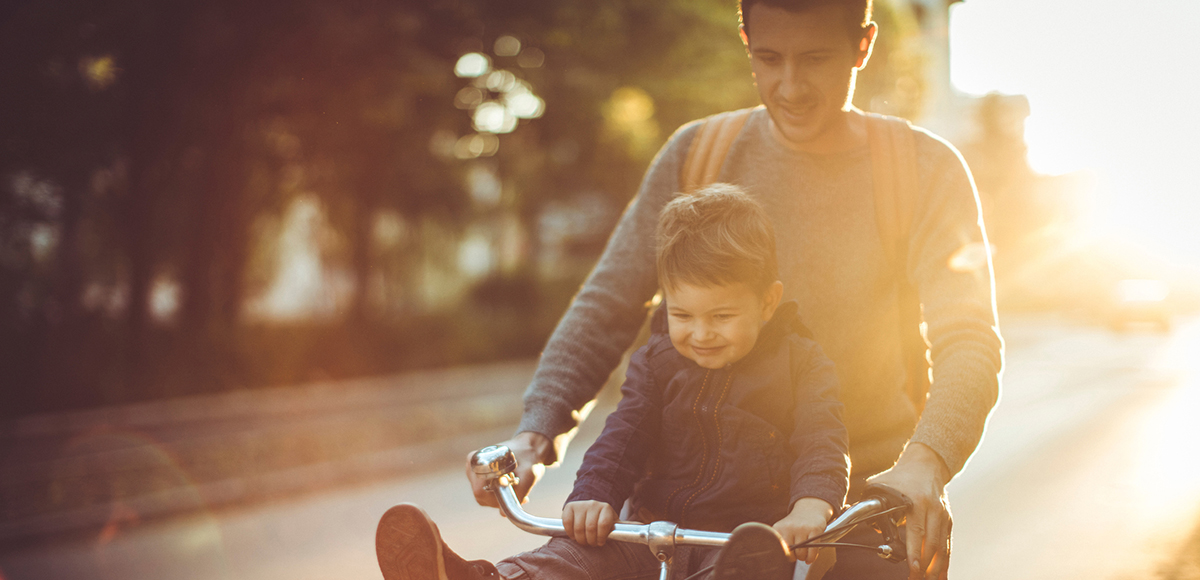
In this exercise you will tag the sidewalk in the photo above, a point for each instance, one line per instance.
(87, 470)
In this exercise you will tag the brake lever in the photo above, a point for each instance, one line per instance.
(894, 548)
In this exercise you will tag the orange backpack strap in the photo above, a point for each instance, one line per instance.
(894, 173)
(709, 148)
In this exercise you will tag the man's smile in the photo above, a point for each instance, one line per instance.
(799, 110)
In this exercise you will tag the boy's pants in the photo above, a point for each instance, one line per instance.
(564, 559)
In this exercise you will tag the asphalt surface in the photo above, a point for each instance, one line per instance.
(1088, 470)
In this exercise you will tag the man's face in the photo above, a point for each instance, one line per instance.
(718, 325)
(804, 64)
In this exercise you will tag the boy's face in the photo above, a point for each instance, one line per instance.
(718, 325)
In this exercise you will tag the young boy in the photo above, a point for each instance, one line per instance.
(729, 416)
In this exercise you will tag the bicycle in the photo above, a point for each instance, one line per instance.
(881, 506)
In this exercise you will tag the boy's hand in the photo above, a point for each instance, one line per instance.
(589, 522)
(807, 519)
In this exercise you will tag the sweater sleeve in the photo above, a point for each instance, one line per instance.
(608, 310)
(949, 263)
(819, 439)
(619, 456)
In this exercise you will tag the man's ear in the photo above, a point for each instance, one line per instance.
(866, 44)
(771, 298)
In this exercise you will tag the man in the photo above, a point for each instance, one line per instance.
(806, 159)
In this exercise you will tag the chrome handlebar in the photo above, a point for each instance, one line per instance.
(497, 465)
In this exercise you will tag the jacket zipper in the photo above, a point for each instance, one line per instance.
(703, 439)
(716, 464)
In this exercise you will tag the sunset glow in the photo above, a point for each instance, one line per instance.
(1111, 91)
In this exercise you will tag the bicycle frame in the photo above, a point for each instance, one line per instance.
(498, 465)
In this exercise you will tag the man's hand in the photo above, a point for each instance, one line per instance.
(529, 448)
(807, 519)
(589, 522)
(921, 475)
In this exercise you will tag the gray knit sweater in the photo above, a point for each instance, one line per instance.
(832, 262)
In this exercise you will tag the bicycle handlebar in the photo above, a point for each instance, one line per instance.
(622, 532)
(498, 465)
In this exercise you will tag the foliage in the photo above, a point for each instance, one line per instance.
(152, 150)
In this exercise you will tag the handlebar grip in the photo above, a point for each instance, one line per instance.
(888, 496)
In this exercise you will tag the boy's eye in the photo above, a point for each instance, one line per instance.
(723, 316)
(679, 316)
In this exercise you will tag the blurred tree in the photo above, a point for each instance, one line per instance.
(149, 145)
(57, 136)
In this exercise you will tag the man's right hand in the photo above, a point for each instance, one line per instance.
(529, 448)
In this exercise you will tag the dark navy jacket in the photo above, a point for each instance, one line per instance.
(712, 449)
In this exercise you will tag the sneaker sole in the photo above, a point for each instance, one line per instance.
(408, 545)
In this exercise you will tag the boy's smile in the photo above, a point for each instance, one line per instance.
(718, 325)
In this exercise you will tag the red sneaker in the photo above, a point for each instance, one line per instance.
(409, 547)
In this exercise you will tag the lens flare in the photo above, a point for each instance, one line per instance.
(969, 258)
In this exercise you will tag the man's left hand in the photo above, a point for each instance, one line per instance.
(921, 475)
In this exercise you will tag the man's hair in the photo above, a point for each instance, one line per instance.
(856, 14)
(716, 236)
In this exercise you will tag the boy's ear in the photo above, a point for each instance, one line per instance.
(771, 298)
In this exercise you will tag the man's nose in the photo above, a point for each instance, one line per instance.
(794, 85)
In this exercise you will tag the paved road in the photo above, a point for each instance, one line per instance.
(1088, 470)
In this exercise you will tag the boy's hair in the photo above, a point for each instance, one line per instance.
(715, 237)
(855, 13)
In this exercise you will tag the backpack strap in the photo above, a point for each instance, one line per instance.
(709, 147)
(894, 173)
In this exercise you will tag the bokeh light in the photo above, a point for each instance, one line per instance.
(468, 98)
(493, 117)
(531, 58)
(472, 65)
(477, 145)
(524, 105)
(500, 81)
(507, 46)
(99, 72)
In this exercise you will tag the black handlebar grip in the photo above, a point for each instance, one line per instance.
(889, 496)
